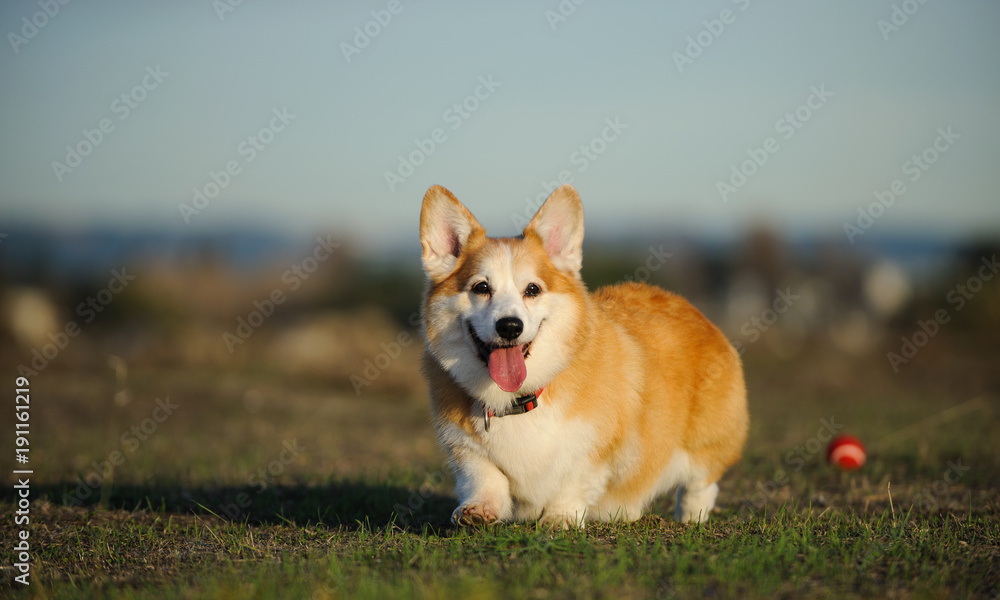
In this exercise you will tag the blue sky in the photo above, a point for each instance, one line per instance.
(556, 86)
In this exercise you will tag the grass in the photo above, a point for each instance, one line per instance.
(139, 554)
(261, 486)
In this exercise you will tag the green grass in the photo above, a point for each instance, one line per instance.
(361, 511)
(145, 554)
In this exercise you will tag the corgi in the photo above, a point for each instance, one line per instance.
(562, 406)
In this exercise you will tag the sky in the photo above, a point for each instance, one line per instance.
(295, 119)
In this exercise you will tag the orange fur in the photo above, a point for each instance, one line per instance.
(648, 372)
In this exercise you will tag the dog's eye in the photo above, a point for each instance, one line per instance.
(532, 290)
(481, 288)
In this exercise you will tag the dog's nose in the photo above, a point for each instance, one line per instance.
(509, 328)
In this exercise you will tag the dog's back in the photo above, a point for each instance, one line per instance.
(692, 416)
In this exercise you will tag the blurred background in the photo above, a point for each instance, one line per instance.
(226, 194)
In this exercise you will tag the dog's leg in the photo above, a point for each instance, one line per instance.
(564, 516)
(615, 512)
(569, 509)
(483, 491)
(580, 490)
(524, 511)
(695, 501)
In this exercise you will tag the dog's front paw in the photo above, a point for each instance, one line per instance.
(474, 515)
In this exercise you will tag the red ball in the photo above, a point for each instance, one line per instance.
(846, 452)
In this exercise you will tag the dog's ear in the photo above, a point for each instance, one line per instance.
(445, 228)
(559, 224)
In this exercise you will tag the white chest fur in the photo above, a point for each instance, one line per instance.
(541, 452)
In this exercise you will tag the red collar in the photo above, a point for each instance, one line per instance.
(522, 404)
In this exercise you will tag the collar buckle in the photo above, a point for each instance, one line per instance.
(522, 404)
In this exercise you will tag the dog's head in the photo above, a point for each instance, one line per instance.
(501, 315)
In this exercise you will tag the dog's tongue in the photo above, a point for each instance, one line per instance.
(507, 368)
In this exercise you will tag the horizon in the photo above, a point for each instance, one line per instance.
(83, 253)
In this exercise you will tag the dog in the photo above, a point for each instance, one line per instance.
(561, 406)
